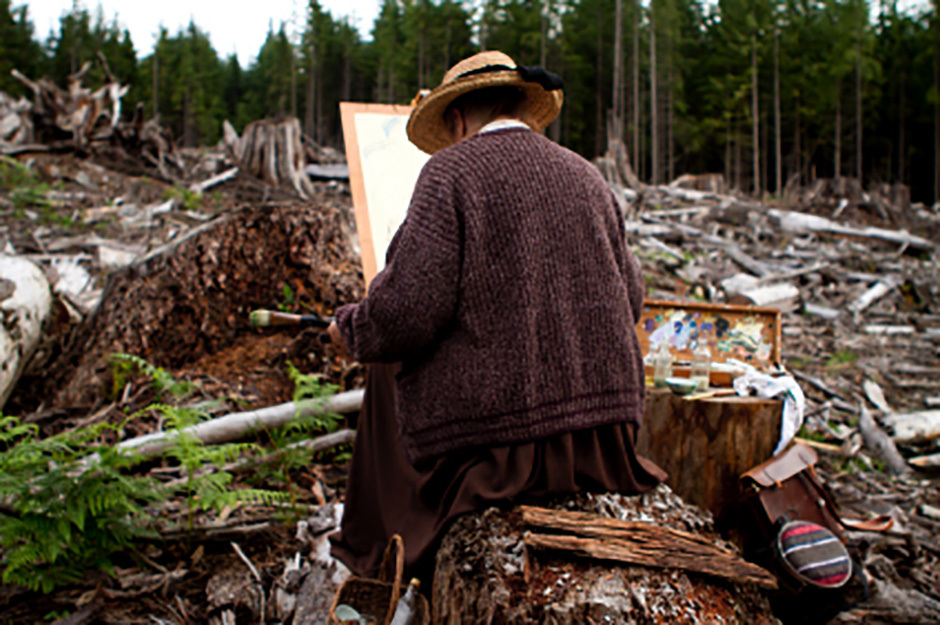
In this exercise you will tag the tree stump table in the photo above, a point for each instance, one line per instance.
(706, 444)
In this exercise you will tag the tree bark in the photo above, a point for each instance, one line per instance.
(309, 117)
(705, 445)
(859, 126)
(638, 542)
(936, 104)
(778, 141)
(156, 82)
(755, 117)
(636, 86)
(599, 134)
(617, 84)
(670, 113)
(838, 135)
(654, 106)
(485, 573)
(25, 305)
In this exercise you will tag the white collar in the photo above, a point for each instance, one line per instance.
(502, 124)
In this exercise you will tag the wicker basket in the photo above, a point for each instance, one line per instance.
(376, 599)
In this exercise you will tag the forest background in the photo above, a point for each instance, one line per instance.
(767, 92)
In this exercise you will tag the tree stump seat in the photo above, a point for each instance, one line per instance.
(486, 574)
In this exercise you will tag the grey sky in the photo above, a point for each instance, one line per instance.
(236, 26)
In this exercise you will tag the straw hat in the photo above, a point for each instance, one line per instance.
(426, 126)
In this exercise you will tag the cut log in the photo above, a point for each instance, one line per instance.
(872, 295)
(25, 302)
(200, 187)
(783, 297)
(880, 444)
(926, 462)
(914, 427)
(821, 311)
(876, 396)
(706, 445)
(800, 223)
(486, 574)
(636, 542)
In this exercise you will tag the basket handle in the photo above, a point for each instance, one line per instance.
(394, 556)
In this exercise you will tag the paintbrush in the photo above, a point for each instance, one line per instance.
(266, 318)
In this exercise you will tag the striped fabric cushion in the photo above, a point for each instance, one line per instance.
(814, 554)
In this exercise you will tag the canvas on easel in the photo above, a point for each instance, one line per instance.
(383, 170)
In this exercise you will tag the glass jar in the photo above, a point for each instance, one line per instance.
(701, 364)
(662, 365)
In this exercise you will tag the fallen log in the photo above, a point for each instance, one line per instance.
(636, 542)
(872, 295)
(926, 462)
(783, 297)
(238, 424)
(914, 427)
(25, 302)
(880, 444)
(485, 573)
(800, 223)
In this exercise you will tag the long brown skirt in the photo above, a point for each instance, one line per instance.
(387, 495)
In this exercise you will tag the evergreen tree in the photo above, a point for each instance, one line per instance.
(18, 49)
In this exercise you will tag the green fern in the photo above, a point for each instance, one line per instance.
(162, 381)
(66, 515)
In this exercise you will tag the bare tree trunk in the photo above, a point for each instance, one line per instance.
(543, 32)
(617, 86)
(670, 110)
(421, 71)
(311, 97)
(778, 142)
(293, 82)
(347, 75)
(188, 139)
(858, 110)
(319, 123)
(737, 159)
(797, 148)
(902, 135)
(156, 82)
(838, 154)
(599, 133)
(654, 105)
(936, 104)
(483, 20)
(728, 169)
(636, 87)
(755, 116)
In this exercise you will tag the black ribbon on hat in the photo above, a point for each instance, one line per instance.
(528, 73)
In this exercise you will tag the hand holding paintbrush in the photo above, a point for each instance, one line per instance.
(266, 318)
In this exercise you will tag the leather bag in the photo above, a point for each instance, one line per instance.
(786, 488)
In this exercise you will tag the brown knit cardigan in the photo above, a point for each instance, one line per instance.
(509, 296)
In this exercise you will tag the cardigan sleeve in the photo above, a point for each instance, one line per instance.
(414, 298)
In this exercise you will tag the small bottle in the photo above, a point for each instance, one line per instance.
(662, 365)
(701, 364)
(405, 610)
